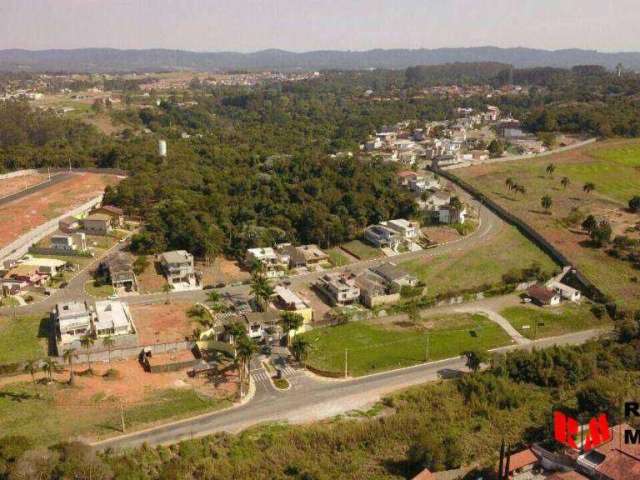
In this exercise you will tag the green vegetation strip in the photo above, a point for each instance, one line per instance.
(372, 348)
(23, 338)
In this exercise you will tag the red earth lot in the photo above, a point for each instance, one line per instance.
(162, 323)
(27, 213)
(9, 186)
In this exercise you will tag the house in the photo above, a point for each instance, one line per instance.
(382, 236)
(405, 176)
(479, 155)
(395, 276)
(424, 475)
(274, 264)
(438, 199)
(288, 301)
(423, 183)
(116, 214)
(451, 214)
(566, 292)
(339, 287)
(406, 229)
(178, 267)
(521, 463)
(112, 318)
(46, 266)
(26, 275)
(613, 460)
(73, 320)
(119, 267)
(69, 243)
(97, 224)
(373, 144)
(543, 296)
(261, 324)
(303, 255)
(567, 476)
(69, 224)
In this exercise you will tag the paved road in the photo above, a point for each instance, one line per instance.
(489, 226)
(310, 398)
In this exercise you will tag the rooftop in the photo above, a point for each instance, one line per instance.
(99, 217)
(176, 256)
(111, 315)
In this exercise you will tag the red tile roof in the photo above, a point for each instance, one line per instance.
(522, 459)
(424, 475)
(567, 476)
(407, 173)
(542, 294)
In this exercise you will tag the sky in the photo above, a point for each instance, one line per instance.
(303, 25)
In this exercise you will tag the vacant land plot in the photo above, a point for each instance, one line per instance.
(9, 186)
(614, 169)
(162, 323)
(20, 216)
(361, 250)
(375, 347)
(221, 270)
(535, 322)
(151, 280)
(481, 267)
(23, 338)
(337, 257)
(91, 408)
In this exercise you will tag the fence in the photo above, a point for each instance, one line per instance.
(21, 245)
(589, 288)
(55, 251)
(17, 173)
(104, 171)
(100, 354)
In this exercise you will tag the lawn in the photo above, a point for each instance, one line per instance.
(482, 266)
(97, 290)
(24, 338)
(337, 257)
(361, 250)
(535, 322)
(42, 414)
(374, 347)
(613, 167)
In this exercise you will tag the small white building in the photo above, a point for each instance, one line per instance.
(407, 229)
(48, 266)
(73, 320)
(275, 264)
(112, 318)
(566, 292)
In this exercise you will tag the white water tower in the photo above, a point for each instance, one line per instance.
(162, 148)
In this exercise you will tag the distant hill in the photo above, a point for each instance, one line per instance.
(112, 60)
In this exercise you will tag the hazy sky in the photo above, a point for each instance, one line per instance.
(299, 25)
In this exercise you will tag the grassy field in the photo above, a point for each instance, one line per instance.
(39, 412)
(337, 257)
(375, 347)
(484, 265)
(361, 250)
(549, 323)
(97, 290)
(613, 167)
(24, 338)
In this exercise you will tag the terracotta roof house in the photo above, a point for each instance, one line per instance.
(522, 461)
(543, 296)
(424, 475)
(614, 460)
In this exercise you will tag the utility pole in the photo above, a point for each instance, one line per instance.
(346, 362)
(426, 355)
(122, 416)
(69, 164)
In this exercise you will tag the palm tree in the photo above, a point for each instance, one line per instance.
(108, 342)
(49, 366)
(300, 348)
(245, 350)
(69, 356)
(31, 366)
(290, 321)
(546, 202)
(565, 182)
(261, 289)
(166, 288)
(550, 169)
(87, 342)
(589, 187)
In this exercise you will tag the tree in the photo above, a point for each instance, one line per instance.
(589, 223)
(261, 290)
(69, 356)
(634, 204)
(588, 187)
(510, 183)
(565, 182)
(496, 148)
(87, 341)
(31, 367)
(49, 366)
(213, 296)
(109, 342)
(546, 202)
(550, 169)
(601, 234)
(245, 349)
(290, 321)
(474, 359)
(98, 105)
(300, 348)
(166, 288)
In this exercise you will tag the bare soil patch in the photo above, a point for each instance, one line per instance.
(162, 323)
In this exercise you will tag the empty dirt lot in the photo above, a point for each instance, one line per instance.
(162, 323)
(9, 186)
(24, 214)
